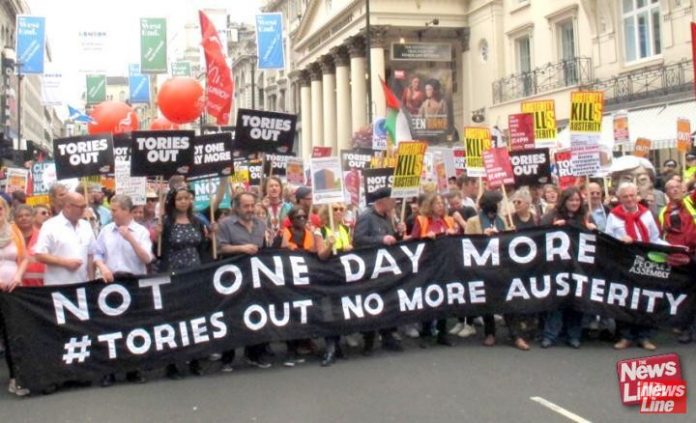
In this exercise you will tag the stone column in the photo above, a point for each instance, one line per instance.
(305, 115)
(358, 85)
(377, 64)
(317, 106)
(343, 110)
(328, 70)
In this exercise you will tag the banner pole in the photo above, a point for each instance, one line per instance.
(403, 210)
(212, 223)
(333, 226)
(160, 179)
(507, 207)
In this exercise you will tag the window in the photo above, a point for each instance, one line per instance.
(523, 50)
(641, 25)
(566, 50)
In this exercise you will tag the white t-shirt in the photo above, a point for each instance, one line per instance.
(60, 238)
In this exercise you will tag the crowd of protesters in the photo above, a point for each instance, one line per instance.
(107, 237)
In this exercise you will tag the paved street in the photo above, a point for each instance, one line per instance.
(466, 383)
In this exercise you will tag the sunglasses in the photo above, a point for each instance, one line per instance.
(339, 209)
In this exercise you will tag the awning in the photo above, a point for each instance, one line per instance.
(658, 124)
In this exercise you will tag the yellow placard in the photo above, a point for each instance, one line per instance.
(476, 140)
(683, 135)
(544, 112)
(586, 111)
(36, 200)
(409, 166)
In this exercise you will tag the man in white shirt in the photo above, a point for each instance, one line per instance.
(66, 244)
(123, 246)
(630, 222)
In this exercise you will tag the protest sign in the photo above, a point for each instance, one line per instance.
(683, 135)
(642, 147)
(544, 112)
(379, 134)
(16, 179)
(269, 132)
(43, 175)
(275, 164)
(327, 183)
(85, 331)
(459, 158)
(87, 155)
(255, 168)
(586, 111)
(476, 140)
(204, 190)
(318, 151)
(498, 168)
(531, 167)
(621, 134)
(566, 177)
(212, 154)
(295, 174)
(409, 165)
(521, 127)
(133, 186)
(441, 174)
(584, 148)
(353, 162)
(161, 153)
(375, 179)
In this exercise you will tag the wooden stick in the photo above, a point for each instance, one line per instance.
(333, 227)
(480, 189)
(212, 223)
(403, 210)
(507, 208)
(160, 179)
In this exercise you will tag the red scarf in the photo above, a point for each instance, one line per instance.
(633, 220)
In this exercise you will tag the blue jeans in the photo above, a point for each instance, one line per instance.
(558, 319)
(636, 333)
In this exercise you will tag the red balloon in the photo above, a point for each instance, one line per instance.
(114, 117)
(162, 124)
(181, 100)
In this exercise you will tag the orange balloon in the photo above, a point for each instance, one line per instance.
(114, 117)
(181, 99)
(162, 124)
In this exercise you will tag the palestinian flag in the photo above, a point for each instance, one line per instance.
(397, 119)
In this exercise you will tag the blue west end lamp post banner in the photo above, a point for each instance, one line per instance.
(138, 85)
(31, 44)
(269, 41)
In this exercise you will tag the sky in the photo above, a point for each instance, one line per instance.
(121, 20)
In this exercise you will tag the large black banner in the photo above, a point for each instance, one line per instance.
(84, 331)
(161, 153)
(269, 132)
(88, 155)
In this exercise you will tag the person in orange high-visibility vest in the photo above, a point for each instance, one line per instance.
(432, 222)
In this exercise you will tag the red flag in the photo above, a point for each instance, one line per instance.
(219, 85)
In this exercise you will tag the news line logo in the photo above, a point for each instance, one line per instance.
(653, 383)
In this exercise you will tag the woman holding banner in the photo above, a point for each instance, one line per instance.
(184, 244)
(24, 222)
(13, 263)
(299, 238)
(431, 222)
(569, 211)
(488, 222)
(340, 239)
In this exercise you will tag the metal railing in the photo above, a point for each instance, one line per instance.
(566, 73)
(648, 82)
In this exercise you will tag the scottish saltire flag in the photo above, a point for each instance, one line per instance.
(78, 116)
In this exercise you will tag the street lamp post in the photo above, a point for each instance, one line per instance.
(17, 152)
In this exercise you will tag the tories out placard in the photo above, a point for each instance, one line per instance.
(268, 132)
(88, 155)
(161, 153)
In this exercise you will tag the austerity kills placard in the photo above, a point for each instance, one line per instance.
(544, 112)
(212, 154)
(409, 166)
(161, 153)
(88, 155)
(477, 140)
(269, 132)
(375, 179)
(531, 167)
(586, 111)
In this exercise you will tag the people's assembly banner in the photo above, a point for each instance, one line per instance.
(375, 179)
(269, 132)
(153, 45)
(409, 166)
(642, 147)
(521, 127)
(586, 111)
(544, 112)
(327, 181)
(683, 135)
(269, 41)
(476, 140)
(161, 153)
(498, 167)
(87, 155)
(31, 43)
(566, 177)
(353, 162)
(212, 154)
(85, 331)
(531, 167)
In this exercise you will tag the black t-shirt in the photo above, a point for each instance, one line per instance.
(520, 224)
(465, 211)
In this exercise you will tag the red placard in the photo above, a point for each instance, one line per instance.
(655, 383)
(521, 127)
(318, 152)
(566, 178)
(498, 167)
